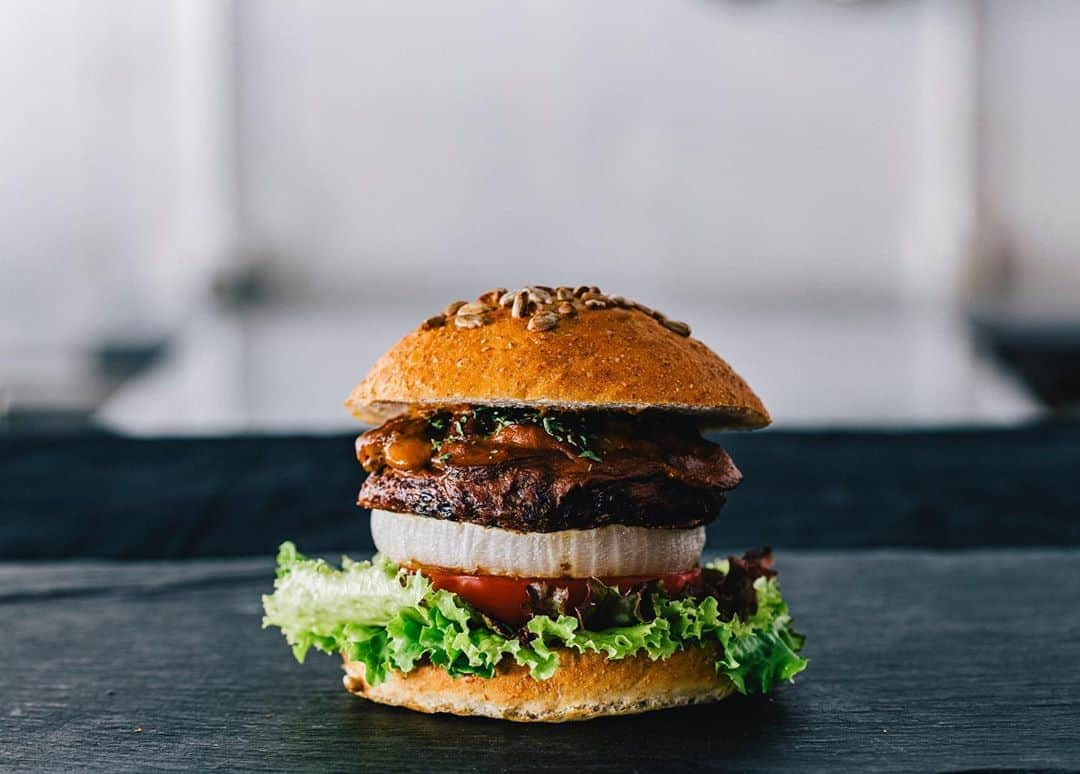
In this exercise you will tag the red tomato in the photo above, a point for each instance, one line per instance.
(504, 597)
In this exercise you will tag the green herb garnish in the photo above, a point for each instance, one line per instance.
(571, 429)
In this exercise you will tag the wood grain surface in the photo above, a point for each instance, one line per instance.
(919, 661)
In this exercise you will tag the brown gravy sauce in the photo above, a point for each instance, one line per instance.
(412, 444)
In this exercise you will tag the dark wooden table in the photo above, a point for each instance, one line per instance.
(919, 661)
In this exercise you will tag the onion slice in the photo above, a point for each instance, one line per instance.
(605, 552)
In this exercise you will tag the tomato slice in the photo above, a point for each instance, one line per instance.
(505, 597)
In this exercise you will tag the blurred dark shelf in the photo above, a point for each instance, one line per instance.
(1043, 351)
(120, 360)
(110, 496)
(60, 391)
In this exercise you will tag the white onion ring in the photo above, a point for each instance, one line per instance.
(605, 552)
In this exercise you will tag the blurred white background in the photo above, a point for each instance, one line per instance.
(266, 194)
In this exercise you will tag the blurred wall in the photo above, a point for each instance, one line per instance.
(716, 148)
(115, 149)
(728, 150)
(1030, 151)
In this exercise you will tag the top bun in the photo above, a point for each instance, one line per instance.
(568, 348)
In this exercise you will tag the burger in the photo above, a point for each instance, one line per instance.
(539, 487)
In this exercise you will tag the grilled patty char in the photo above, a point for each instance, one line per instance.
(518, 472)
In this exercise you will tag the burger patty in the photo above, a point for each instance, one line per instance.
(533, 499)
(539, 477)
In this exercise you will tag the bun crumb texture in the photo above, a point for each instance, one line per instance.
(585, 686)
(575, 349)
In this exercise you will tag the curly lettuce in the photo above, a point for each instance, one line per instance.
(392, 619)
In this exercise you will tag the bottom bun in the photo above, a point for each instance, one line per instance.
(585, 686)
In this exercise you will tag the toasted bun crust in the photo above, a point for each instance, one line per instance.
(617, 358)
(584, 686)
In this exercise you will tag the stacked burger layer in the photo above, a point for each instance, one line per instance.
(539, 487)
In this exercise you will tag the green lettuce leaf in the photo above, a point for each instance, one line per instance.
(318, 606)
(391, 619)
